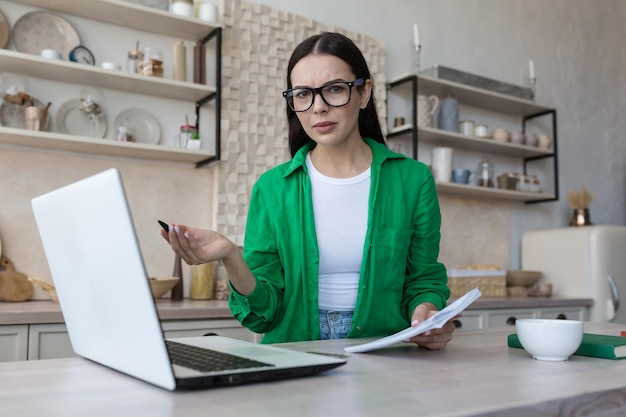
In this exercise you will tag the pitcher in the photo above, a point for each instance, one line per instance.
(449, 114)
(426, 108)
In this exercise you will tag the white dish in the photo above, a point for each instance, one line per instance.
(5, 31)
(71, 121)
(13, 115)
(35, 31)
(143, 126)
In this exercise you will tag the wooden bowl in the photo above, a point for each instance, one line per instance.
(161, 286)
(47, 286)
(519, 278)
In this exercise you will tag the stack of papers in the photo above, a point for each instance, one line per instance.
(435, 322)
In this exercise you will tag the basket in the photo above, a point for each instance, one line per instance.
(491, 283)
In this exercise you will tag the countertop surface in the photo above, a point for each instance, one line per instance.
(476, 375)
(43, 312)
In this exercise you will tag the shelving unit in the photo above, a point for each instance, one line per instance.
(488, 100)
(134, 16)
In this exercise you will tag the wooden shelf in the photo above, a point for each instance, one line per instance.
(472, 96)
(80, 144)
(130, 15)
(470, 143)
(66, 71)
(485, 192)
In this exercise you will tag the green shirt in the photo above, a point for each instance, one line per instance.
(399, 270)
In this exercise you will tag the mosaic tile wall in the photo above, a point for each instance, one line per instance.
(256, 45)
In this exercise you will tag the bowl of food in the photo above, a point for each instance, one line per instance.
(160, 286)
(520, 278)
(549, 340)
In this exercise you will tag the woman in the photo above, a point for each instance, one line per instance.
(341, 241)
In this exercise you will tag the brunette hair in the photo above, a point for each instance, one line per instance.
(343, 48)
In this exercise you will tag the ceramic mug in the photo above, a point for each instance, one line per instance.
(530, 139)
(442, 164)
(500, 135)
(517, 137)
(50, 54)
(461, 176)
(426, 108)
(466, 127)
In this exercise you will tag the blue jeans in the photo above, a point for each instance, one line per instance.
(335, 324)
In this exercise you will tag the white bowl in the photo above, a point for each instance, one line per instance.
(550, 340)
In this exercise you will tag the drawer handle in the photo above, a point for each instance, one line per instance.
(561, 317)
(457, 323)
(511, 321)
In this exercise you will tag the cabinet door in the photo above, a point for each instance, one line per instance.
(470, 320)
(508, 317)
(49, 341)
(190, 328)
(13, 343)
(567, 313)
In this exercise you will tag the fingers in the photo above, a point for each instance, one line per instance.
(437, 339)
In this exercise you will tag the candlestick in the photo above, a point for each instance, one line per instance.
(418, 47)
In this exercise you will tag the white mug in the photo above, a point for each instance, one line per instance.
(208, 12)
(50, 54)
(442, 164)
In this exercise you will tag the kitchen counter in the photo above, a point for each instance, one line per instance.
(476, 375)
(42, 312)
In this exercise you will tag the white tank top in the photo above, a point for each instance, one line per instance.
(340, 207)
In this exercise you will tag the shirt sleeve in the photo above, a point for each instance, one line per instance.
(426, 279)
(259, 310)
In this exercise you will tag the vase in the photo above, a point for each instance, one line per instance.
(581, 217)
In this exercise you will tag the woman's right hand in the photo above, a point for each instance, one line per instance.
(198, 246)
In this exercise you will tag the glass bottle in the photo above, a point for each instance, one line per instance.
(134, 61)
(485, 173)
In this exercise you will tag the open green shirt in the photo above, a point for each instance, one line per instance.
(399, 270)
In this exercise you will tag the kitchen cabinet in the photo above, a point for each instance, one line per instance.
(483, 319)
(133, 16)
(13, 343)
(51, 340)
(486, 100)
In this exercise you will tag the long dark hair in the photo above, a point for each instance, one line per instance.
(343, 48)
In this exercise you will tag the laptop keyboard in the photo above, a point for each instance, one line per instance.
(208, 360)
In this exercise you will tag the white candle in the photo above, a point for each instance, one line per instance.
(531, 69)
(416, 36)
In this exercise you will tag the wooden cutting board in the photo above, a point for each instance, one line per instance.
(14, 286)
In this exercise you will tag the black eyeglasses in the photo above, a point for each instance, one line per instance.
(335, 94)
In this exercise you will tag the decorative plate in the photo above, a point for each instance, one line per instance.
(35, 31)
(71, 120)
(5, 31)
(14, 115)
(144, 126)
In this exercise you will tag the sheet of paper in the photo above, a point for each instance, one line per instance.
(435, 322)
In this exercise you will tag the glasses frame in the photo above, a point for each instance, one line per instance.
(359, 82)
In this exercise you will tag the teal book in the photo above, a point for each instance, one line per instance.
(594, 345)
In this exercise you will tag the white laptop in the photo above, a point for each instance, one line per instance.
(97, 267)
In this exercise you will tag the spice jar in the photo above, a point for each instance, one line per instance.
(485, 173)
(152, 63)
(186, 133)
(134, 61)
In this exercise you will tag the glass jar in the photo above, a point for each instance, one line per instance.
(484, 174)
(152, 63)
(134, 61)
(185, 135)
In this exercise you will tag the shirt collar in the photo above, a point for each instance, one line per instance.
(380, 154)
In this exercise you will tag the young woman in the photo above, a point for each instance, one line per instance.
(343, 240)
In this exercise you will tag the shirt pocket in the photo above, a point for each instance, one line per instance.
(390, 252)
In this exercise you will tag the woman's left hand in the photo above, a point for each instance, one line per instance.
(435, 339)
